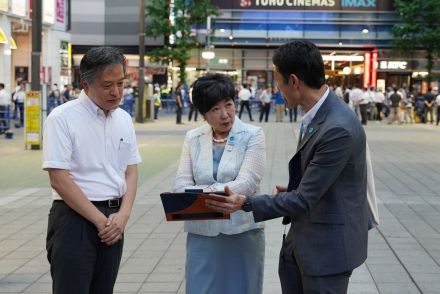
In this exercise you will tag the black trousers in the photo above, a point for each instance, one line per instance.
(364, 115)
(178, 115)
(264, 112)
(438, 114)
(192, 110)
(293, 112)
(79, 262)
(3, 122)
(244, 104)
(20, 107)
(295, 281)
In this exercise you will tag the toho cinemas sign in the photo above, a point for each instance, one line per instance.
(363, 5)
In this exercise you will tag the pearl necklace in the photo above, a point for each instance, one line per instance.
(223, 140)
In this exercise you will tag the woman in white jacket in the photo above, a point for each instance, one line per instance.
(222, 256)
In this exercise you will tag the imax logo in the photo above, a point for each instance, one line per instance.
(358, 3)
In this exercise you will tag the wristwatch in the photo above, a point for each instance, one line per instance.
(247, 205)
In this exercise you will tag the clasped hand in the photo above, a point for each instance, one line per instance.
(114, 227)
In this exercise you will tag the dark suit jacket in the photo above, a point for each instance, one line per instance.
(327, 194)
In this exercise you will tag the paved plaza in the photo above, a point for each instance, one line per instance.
(404, 251)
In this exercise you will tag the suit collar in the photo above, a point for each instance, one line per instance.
(319, 118)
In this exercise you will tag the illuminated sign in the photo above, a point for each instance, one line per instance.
(393, 65)
(367, 68)
(358, 3)
(329, 5)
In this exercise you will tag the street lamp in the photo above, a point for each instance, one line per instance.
(208, 53)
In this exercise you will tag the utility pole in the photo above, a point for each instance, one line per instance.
(36, 45)
(34, 116)
(141, 84)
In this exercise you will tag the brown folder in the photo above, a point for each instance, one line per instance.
(191, 206)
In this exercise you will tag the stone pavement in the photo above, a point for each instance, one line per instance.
(404, 251)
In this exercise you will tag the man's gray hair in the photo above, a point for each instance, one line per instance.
(98, 59)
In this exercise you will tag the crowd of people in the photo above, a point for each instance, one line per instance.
(396, 104)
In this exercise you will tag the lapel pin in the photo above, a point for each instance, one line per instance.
(311, 130)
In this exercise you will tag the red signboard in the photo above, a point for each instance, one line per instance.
(367, 69)
(60, 11)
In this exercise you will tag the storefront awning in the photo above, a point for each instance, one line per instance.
(12, 43)
(3, 38)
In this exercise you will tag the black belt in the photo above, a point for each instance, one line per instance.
(112, 203)
(108, 203)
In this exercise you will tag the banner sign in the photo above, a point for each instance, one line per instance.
(60, 11)
(4, 5)
(331, 5)
(33, 118)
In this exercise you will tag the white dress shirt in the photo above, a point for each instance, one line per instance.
(5, 100)
(95, 148)
(244, 94)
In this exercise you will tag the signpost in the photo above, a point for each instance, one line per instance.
(33, 119)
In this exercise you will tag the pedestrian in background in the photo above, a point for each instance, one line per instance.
(326, 198)
(395, 102)
(437, 103)
(265, 101)
(91, 155)
(222, 256)
(5, 103)
(429, 106)
(19, 99)
(378, 99)
(157, 102)
(244, 96)
(192, 108)
(279, 106)
(179, 94)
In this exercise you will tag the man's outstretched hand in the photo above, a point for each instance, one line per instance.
(230, 203)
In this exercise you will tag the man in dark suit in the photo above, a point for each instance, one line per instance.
(326, 198)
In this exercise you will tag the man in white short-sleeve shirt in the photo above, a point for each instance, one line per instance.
(91, 155)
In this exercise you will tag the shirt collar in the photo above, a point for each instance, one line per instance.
(91, 106)
(309, 115)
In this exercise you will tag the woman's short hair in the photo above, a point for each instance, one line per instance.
(211, 89)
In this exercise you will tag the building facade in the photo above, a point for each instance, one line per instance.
(112, 23)
(354, 37)
(16, 47)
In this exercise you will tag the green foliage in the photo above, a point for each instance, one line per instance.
(418, 29)
(187, 13)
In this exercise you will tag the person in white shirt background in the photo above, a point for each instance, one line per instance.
(19, 98)
(355, 98)
(244, 96)
(378, 99)
(5, 102)
(91, 155)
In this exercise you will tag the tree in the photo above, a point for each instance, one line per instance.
(186, 13)
(418, 29)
